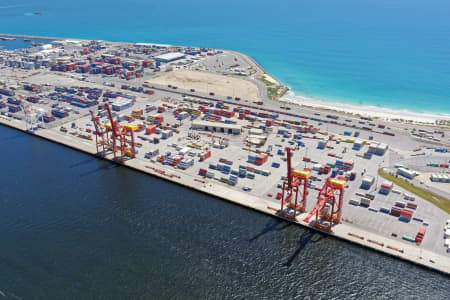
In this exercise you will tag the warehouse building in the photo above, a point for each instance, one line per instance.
(406, 173)
(217, 127)
(445, 178)
(168, 57)
(121, 104)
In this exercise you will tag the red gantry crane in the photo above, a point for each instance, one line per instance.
(295, 189)
(329, 204)
(118, 138)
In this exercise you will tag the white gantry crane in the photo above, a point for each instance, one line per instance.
(34, 118)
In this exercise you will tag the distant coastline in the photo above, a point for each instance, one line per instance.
(290, 96)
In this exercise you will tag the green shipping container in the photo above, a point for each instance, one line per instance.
(409, 239)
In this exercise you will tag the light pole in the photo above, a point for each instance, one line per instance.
(378, 175)
(306, 153)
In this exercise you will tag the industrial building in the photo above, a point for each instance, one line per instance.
(121, 104)
(168, 57)
(445, 178)
(406, 173)
(217, 127)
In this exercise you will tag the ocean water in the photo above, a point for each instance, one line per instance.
(393, 54)
(75, 227)
(20, 43)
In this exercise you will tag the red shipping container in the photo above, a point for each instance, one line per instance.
(406, 213)
(150, 129)
(422, 229)
(411, 205)
(395, 211)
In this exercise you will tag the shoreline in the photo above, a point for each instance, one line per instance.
(382, 113)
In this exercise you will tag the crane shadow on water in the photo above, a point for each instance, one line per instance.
(269, 227)
(99, 169)
(306, 238)
(83, 162)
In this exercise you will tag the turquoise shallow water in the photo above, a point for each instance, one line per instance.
(393, 54)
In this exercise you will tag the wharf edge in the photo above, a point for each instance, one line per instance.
(225, 196)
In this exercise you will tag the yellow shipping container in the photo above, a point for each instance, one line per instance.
(132, 127)
(302, 173)
(196, 146)
(338, 183)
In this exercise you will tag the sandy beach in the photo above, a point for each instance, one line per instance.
(208, 82)
(365, 110)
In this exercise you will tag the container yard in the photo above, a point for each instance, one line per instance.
(316, 168)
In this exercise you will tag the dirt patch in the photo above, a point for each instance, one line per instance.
(207, 82)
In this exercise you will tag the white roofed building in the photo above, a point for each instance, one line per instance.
(168, 57)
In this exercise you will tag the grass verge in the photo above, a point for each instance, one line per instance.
(434, 198)
(272, 92)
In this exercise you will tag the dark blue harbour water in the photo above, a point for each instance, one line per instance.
(75, 227)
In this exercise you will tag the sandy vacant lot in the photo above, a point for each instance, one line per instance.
(207, 82)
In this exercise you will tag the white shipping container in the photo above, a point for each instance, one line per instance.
(354, 202)
(368, 180)
(185, 151)
(365, 201)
